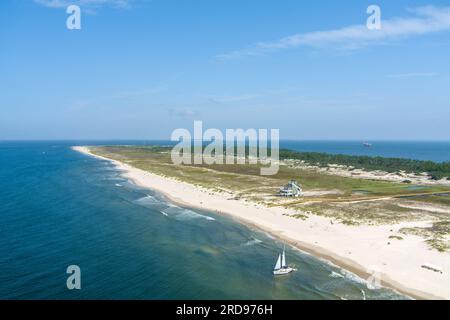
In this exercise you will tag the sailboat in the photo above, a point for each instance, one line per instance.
(281, 267)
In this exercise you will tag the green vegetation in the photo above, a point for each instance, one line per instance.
(364, 212)
(436, 236)
(347, 200)
(245, 180)
(300, 216)
(435, 170)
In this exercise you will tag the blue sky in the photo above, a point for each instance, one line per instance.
(140, 69)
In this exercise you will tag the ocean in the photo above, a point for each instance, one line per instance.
(437, 151)
(60, 208)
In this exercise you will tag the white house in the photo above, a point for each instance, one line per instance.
(292, 189)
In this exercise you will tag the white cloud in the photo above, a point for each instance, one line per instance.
(413, 75)
(90, 4)
(425, 20)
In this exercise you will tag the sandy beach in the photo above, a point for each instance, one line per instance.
(363, 250)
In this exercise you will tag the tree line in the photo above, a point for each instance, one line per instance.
(436, 170)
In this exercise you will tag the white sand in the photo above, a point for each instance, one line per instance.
(361, 249)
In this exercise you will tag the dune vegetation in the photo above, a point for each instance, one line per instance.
(348, 200)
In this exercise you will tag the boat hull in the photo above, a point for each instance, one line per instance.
(282, 272)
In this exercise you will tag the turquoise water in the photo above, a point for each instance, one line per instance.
(59, 208)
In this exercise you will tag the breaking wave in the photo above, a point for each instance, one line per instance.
(187, 214)
(336, 275)
(251, 242)
(148, 201)
(183, 214)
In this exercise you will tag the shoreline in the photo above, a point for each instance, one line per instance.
(304, 235)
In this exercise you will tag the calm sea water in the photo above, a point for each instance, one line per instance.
(59, 208)
(438, 151)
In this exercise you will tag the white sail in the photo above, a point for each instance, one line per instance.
(278, 265)
(281, 268)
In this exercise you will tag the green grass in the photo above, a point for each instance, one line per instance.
(242, 177)
(436, 235)
(245, 182)
(369, 213)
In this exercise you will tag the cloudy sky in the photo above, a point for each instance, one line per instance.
(138, 69)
